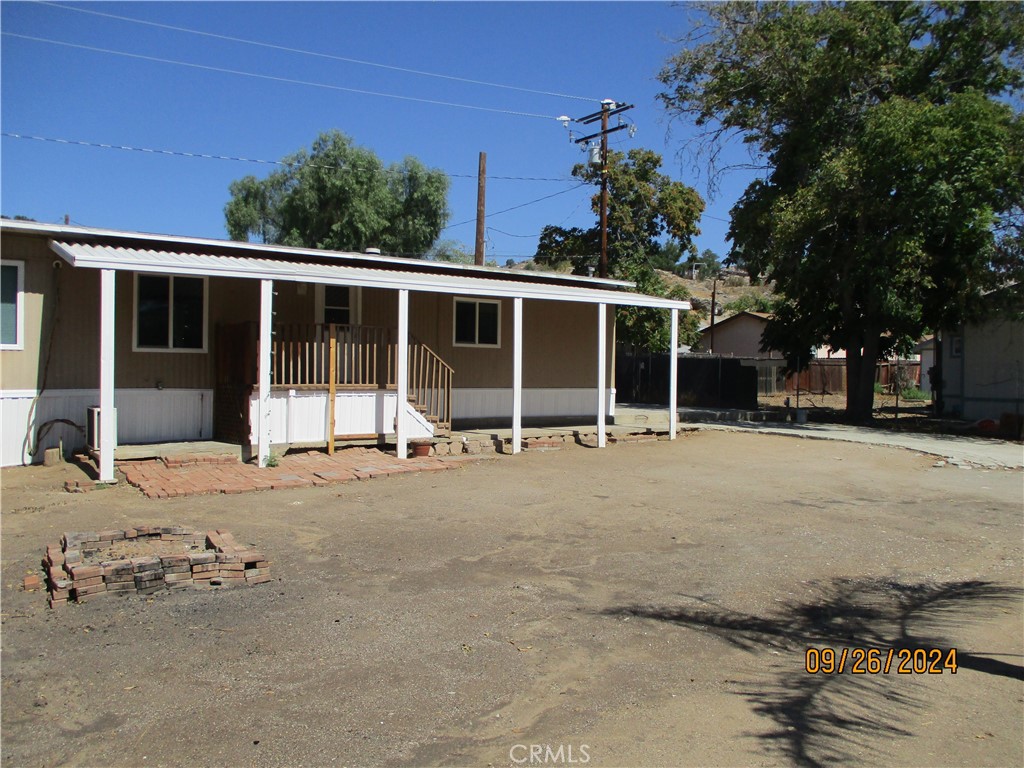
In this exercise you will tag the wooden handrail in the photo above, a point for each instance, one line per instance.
(332, 357)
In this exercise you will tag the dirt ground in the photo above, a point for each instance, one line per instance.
(644, 605)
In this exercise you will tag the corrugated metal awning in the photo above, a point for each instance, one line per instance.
(197, 263)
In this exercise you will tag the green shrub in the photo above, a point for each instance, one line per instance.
(879, 389)
(913, 393)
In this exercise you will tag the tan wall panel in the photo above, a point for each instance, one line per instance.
(560, 338)
(75, 348)
(559, 343)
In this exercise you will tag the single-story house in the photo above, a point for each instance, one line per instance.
(982, 363)
(122, 337)
(738, 335)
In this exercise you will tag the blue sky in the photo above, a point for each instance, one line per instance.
(588, 51)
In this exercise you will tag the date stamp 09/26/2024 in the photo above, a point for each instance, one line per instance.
(875, 661)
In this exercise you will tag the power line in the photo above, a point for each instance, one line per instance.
(509, 234)
(516, 207)
(275, 78)
(206, 156)
(317, 53)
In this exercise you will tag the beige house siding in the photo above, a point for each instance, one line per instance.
(560, 338)
(20, 369)
(65, 301)
(739, 336)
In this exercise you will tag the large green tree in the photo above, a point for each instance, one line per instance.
(342, 197)
(892, 155)
(649, 215)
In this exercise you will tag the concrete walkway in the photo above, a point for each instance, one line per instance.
(955, 449)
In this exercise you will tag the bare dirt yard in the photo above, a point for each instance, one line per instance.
(644, 605)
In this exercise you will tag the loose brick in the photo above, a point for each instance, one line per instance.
(120, 578)
(202, 558)
(140, 564)
(72, 556)
(121, 586)
(230, 567)
(173, 560)
(147, 576)
(77, 591)
(171, 578)
(258, 579)
(85, 571)
(206, 568)
(250, 557)
(31, 582)
(111, 535)
(116, 568)
(207, 576)
(91, 582)
(73, 539)
(58, 602)
(178, 569)
(227, 557)
(254, 573)
(158, 587)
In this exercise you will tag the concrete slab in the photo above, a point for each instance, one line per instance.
(952, 448)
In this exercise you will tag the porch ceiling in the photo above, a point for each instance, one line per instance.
(198, 263)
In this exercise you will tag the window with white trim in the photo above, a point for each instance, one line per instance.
(170, 313)
(337, 304)
(477, 323)
(12, 305)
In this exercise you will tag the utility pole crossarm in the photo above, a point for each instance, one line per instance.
(608, 108)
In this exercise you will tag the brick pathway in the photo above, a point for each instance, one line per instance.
(189, 476)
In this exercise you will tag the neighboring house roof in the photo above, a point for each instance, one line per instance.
(719, 323)
(924, 345)
(140, 252)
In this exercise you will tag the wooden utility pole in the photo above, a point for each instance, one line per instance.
(608, 108)
(605, 109)
(481, 207)
(711, 333)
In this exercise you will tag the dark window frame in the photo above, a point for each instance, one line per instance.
(171, 346)
(477, 303)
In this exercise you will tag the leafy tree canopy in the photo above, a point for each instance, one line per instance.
(645, 208)
(341, 197)
(892, 158)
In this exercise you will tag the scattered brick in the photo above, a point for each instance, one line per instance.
(92, 589)
(86, 572)
(223, 562)
(31, 582)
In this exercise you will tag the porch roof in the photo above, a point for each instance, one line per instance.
(377, 273)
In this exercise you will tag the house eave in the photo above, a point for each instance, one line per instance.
(109, 257)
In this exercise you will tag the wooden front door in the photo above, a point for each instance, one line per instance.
(234, 349)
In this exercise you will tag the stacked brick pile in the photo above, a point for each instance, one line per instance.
(76, 572)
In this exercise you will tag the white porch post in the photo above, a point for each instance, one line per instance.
(108, 429)
(673, 377)
(602, 335)
(517, 374)
(263, 371)
(402, 375)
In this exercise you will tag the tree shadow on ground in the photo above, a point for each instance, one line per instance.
(825, 718)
